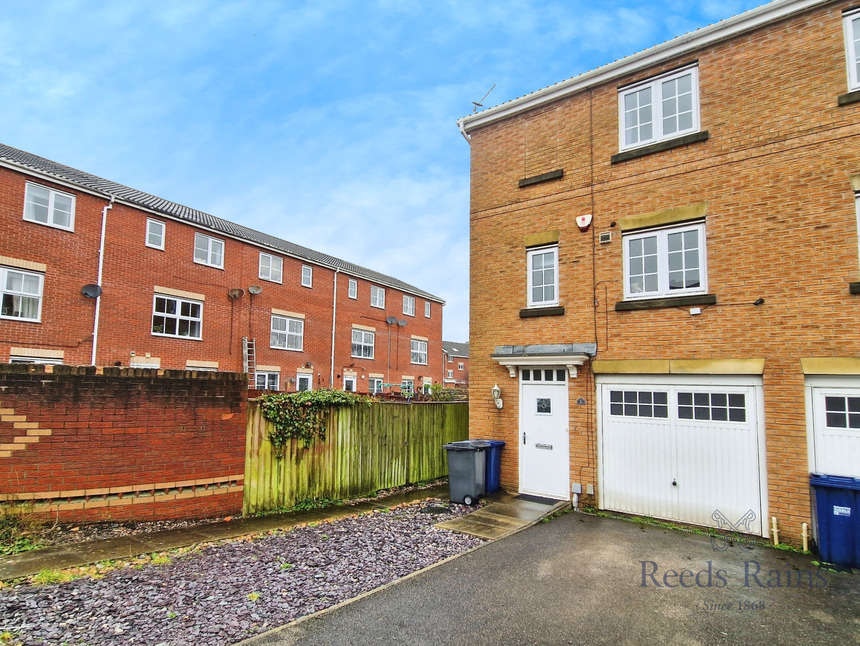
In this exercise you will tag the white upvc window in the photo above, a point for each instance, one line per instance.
(353, 288)
(267, 380)
(407, 387)
(349, 383)
(363, 343)
(658, 109)
(426, 309)
(409, 305)
(155, 234)
(20, 294)
(304, 381)
(208, 251)
(419, 352)
(542, 276)
(851, 22)
(374, 385)
(287, 333)
(47, 206)
(307, 276)
(271, 267)
(177, 317)
(461, 366)
(377, 296)
(665, 262)
(52, 361)
(450, 374)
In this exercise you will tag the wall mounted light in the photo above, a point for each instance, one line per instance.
(496, 392)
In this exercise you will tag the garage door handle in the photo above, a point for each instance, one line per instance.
(524, 439)
(674, 483)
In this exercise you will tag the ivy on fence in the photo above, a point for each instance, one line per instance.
(300, 415)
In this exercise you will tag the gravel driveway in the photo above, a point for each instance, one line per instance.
(229, 591)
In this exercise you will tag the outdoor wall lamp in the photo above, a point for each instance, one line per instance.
(496, 392)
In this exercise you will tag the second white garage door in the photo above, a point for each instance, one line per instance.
(683, 449)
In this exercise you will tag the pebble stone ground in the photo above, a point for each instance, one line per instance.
(226, 592)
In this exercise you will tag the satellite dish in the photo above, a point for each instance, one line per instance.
(402, 322)
(235, 293)
(255, 290)
(391, 320)
(91, 291)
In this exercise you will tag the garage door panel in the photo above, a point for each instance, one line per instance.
(836, 431)
(640, 453)
(698, 462)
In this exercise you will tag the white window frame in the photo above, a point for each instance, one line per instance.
(361, 340)
(52, 211)
(662, 235)
(271, 267)
(426, 309)
(531, 254)
(377, 296)
(418, 348)
(407, 387)
(461, 366)
(408, 305)
(304, 377)
(177, 315)
(851, 21)
(8, 311)
(656, 86)
(208, 251)
(375, 385)
(155, 228)
(352, 290)
(290, 337)
(350, 379)
(271, 380)
(450, 374)
(307, 276)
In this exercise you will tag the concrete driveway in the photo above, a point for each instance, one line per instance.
(581, 579)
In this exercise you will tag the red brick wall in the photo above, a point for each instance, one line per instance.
(126, 444)
(781, 224)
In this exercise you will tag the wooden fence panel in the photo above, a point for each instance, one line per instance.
(367, 448)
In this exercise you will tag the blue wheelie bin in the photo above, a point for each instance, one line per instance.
(494, 461)
(837, 515)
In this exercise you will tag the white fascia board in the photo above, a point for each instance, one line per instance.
(681, 45)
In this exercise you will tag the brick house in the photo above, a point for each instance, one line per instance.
(455, 362)
(96, 273)
(664, 269)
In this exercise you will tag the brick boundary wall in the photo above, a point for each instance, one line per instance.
(88, 444)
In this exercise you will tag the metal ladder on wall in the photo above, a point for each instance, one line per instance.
(249, 361)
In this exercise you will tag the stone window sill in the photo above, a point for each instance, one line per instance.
(537, 179)
(532, 312)
(657, 303)
(660, 147)
(849, 98)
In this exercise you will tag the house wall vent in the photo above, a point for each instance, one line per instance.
(606, 237)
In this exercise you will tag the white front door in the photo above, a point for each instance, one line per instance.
(544, 440)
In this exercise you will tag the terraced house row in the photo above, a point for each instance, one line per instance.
(665, 274)
(96, 273)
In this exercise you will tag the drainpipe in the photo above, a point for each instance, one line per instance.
(99, 279)
(333, 323)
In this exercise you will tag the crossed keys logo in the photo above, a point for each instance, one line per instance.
(720, 542)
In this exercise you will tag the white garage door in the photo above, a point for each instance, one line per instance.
(835, 416)
(682, 449)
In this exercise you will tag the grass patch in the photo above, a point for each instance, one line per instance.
(20, 530)
(48, 577)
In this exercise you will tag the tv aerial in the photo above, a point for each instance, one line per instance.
(480, 104)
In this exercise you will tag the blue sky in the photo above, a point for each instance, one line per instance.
(330, 123)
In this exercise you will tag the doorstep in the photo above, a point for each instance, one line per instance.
(505, 514)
